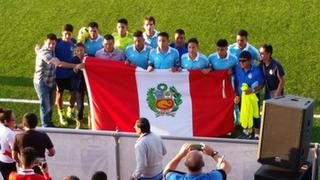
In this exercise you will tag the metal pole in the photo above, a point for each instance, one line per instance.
(314, 150)
(116, 136)
(315, 161)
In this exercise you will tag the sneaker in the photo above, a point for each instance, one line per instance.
(50, 125)
(62, 119)
(256, 137)
(71, 112)
(244, 136)
(78, 124)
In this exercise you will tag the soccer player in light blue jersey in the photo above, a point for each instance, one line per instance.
(95, 40)
(164, 56)
(193, 59)
(222, 59)
(151, 34)
(137, 54)
(243, 45)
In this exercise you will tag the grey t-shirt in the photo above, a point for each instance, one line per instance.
(149, 151)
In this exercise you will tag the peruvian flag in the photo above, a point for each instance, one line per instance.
(186, 103)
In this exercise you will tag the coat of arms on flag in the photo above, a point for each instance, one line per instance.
(164, 101)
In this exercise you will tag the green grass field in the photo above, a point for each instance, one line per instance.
(292, 27)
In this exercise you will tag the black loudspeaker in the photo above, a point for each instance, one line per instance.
(285, 131)
(267, 172)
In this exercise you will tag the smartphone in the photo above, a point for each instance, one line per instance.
(220, 161)
(198, 147)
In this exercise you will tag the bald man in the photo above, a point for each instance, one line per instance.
(194, 162)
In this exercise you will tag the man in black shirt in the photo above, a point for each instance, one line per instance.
(40, 141)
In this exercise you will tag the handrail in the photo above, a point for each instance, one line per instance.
(30, 101)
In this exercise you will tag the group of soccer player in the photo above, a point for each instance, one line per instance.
(152, 49)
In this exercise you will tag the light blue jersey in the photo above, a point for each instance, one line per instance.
(233, 49)
(164, 60)
(141, 58)
(215, 174)
(152, 41)
(92, 46)
(199, 62)
(219, 63)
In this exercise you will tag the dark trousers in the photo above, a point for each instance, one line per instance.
(6, 169)
(80, 93)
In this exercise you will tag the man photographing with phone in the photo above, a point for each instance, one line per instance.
(27, 159)
(194, 162)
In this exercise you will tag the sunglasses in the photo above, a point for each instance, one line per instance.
(242, 61)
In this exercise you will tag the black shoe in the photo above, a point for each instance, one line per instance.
(255, 138)
(244, 136)
(51, 125)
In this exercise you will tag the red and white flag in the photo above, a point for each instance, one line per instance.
(186, 103)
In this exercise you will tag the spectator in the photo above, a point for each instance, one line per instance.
(193, 59)
(150, 35)
(72, 177)
(194, 162)
(138, 53)
(164, 56)
(99, 175)
(28, 160)
(108, 51)
(44, 78)
(272, 71)
(122, 37)
(79, 85)
(95, 40)
(149, 152)
(243, 45)
(179, 42)
(64, 51)
(40, 141)
(250, 74)
(7, 124)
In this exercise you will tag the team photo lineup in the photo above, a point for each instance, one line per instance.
(149, 50)
(255, 75)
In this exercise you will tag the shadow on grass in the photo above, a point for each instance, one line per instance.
(16, 81)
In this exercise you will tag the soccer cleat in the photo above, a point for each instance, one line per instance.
(71, 112)
(62, 119)
(78, 124)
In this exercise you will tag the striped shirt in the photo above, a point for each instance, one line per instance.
(45, 71)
